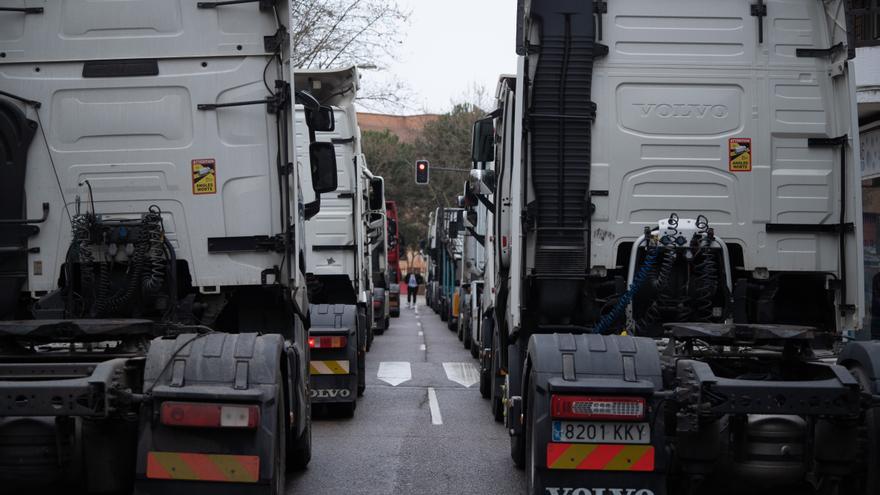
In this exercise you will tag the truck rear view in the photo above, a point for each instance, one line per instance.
(153, 311)
(679, 267)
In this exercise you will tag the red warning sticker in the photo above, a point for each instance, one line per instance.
(204, 176)
(741, 155)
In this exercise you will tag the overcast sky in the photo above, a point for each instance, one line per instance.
(452, 45)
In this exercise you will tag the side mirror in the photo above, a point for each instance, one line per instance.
(482, 181)
(321, 120)
(323, 165)
(377, 194)
(483, 149)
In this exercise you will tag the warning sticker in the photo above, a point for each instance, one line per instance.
(204, 174)
(741, 155)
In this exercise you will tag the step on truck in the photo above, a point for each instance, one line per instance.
(681, 299)
(336, 269)
(153, 310)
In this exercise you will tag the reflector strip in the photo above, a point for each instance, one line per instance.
(329, 367)
(593, 457)
(203, 467)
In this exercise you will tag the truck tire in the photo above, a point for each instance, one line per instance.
(362, 375)
(387, 323)
(486, 360)
(474, 347)
(868, 482)
(466, 330)
(299, 450)
(497, 405)
(533, 485)
(278, 485)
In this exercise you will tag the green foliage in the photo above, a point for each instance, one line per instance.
(445, 142)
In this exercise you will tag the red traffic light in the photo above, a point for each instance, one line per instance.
(422, 171)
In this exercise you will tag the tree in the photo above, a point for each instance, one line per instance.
(445, 142)
(342, 33)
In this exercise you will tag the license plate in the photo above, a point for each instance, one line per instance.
(601, 432)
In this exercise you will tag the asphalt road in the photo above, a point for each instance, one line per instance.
(429, 434)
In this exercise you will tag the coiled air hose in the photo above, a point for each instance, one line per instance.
(638, 281)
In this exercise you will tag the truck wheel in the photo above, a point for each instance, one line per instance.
(497, 405)
(279, 467)
(532, 483)
(387, 323)
(868, 481)
(299, 451)
(466, 330)
(485, 376)
(518, 449)
(362, 375)
(475, 347)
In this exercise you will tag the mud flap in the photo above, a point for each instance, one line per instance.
(601, 366)
(334, 372)
(213, 368)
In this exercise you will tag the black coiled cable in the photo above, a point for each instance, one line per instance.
(154, 237)
(654, 314)
(706, 283)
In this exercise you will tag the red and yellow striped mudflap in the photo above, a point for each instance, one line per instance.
(203, 467)
(330, 367)
(595, 457)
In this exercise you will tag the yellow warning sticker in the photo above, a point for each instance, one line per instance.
(741, 155)
(204, 174)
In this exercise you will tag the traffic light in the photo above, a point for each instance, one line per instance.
(422, 171)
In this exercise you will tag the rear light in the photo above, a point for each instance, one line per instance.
(599, 408)
(199, 415)
(328, 342)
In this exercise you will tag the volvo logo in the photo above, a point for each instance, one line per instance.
(682, 110)
(331, 393)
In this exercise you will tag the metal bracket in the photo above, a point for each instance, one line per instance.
(251, 244)
(818, 52)
(759, 10)
(265, 5)
(273, 103)
(828, 142)
(23, 10)
(276, 42)
(31, 220)
(600, 8)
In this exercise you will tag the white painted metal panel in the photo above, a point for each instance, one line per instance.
(121, 29)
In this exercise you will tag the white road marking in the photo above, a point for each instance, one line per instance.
(421, 334)
(423, 347)
(394, 372)
(465, 374)
(436, 418)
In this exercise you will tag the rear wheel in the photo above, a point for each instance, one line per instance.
(278, 486)
(299, 450)
(867, 480)
(531, 453)
(362, 375)
(497, 405)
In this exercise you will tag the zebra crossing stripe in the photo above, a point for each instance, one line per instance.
(330, 367)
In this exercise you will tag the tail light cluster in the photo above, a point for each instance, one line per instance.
(337, 342)
(597, 408)
(202, 415)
